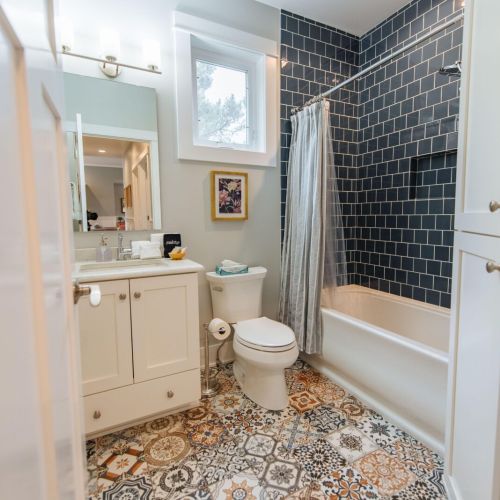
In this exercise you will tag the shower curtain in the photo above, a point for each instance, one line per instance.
(313, 256)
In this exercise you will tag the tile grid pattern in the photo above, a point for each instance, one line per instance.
(318, 56)
(408, 122)
(325, 444)
(389, 123)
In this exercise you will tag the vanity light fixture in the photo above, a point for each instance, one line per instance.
(110, 50)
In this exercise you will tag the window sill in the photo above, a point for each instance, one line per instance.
(226, 155)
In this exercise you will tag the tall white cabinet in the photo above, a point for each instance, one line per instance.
(473, 431)
(140, 352)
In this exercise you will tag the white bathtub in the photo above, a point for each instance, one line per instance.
(392, 353)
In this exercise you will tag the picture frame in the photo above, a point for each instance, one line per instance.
(229, 195)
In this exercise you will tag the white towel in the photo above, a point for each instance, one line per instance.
(136, 248)
(150, 251)
(157, 238)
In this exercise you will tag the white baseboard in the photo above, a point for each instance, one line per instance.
(451, 488)
(398, 419)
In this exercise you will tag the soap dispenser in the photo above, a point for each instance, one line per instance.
(103, 252)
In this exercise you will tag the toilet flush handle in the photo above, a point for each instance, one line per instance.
(217, 289)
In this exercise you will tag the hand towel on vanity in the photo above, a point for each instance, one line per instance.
(150, 250)
(136, 248)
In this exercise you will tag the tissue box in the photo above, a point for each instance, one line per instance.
(226, 271)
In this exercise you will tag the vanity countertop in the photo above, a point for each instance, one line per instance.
(89, 271)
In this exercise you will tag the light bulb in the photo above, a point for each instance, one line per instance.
(110, 43)
(151, 54)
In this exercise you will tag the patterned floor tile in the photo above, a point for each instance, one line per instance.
(303, 401)
(221, 462)
(297, 431)
(349, 484)
(385, 472)
(378, 429)
(420, 490)
(136, 489)
(416, 456)
(327, 391)
(351, 443)
(326, 418)
(242, 486)
(169, 482)
(325, 445)
(208, 433)
(319, 459)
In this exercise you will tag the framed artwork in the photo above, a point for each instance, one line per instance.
(229, 195)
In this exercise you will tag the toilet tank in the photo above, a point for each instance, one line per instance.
(237, 297)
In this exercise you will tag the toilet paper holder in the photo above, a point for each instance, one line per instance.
(210, 387)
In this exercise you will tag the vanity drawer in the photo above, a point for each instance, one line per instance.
(109, 409)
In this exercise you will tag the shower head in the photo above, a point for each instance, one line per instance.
(452, 69)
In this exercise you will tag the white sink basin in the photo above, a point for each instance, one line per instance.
(92, 266)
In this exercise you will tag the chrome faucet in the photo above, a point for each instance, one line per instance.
(122, 253)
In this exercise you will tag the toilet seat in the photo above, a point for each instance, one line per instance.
(264, 334)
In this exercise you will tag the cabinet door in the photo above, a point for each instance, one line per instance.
(473, 431)
(105, 339)
(478, 176)
(165, 328)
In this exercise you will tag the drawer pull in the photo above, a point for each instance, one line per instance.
(137, 295)
(494, 206)
(97, 415)
(122, 296)
(170, 394)
(492, 267)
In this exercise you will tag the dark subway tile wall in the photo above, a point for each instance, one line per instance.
(314, 58)
(408, 122)
(394, 140)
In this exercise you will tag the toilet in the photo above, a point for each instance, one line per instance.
(263, 347)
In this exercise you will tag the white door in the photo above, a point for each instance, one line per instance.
(164, 325)
(478, 177)
(105, 339)
(40, 430)
(474, 428)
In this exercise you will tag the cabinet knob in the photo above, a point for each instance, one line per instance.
(137, 295)
(170, 394)
(97, 415)
(122, 296)
(492, 267)
(494, 206)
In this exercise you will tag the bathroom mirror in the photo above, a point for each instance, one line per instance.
(112, 147)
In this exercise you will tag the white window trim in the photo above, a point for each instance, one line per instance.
(186, 28)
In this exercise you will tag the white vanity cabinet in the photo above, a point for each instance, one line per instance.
(139, 349)
(105, 339)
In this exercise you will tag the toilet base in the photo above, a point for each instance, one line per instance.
(264, 383)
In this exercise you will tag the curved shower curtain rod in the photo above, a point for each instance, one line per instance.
(431, 33)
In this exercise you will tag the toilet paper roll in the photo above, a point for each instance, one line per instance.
(219, 329)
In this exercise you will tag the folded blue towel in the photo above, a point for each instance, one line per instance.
(230, 270)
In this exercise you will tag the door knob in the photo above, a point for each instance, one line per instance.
(97, 415)
(137, 295)
(494, 206)
(170, 394)
(492, 267)
(122, 296)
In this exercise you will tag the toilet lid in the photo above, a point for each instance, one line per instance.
(264, 333)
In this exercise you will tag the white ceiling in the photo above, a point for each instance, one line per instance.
(354, 16)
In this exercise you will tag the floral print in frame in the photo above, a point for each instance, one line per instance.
(229, 196)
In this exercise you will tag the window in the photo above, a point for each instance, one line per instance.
(226, 95)
(222, 105)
